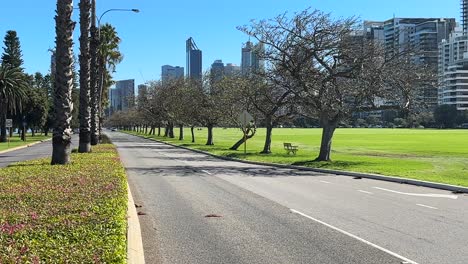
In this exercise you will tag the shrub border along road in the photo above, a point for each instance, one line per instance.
(435, 185)
(40, 213)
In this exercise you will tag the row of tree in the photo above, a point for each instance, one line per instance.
(99, 53)
(316, 67)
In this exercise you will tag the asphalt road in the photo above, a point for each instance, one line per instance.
(41, 150)
(272, 215)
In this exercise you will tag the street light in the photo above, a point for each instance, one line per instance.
(101, 84)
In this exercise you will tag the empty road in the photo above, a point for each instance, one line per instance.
(262, 214)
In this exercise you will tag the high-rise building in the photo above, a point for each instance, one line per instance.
(453, 71)
(231, 69)
(122, 97)
(169, 72)
(453, 65)
(421, 36)
(194, 60)
(142, 88)
(374, 30)
(217, 70)
(250, 59)
(464, 15)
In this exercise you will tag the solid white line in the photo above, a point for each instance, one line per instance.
(365, 192)
(421, 194)
(427, 206)
(356, 237)
(207, 172)
(326, 182)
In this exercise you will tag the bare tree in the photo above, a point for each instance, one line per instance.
(332, 71)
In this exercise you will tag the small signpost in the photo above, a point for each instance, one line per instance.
(244, 119)
(9, 125)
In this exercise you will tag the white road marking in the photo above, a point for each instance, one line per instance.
(365, 192)
(448, 196)
(427, 206)
(326, 182)
(207, 172)
(405, 260)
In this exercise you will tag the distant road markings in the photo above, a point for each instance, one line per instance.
(427, 206)
(404, 260)
(365, 192)
(207, 172)
(448, 196)
(326, 182)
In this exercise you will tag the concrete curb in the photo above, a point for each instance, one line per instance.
(434, 185)
(25, 146)
(135, 253)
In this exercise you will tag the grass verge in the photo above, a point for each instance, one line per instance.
(421, 154)
(17, 142)
(64, 214)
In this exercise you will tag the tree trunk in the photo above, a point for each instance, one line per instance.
(171, 131)
(166, 131)
(33, 132)
(209, 141)
(63, 86)
(193, 133)
(325, 146)
(181, 132)
(3, 133)
(159, 131)
(94, 76)
(243, 139)
(267, 146)
(151, 132)
(23, 133)
(84, 145)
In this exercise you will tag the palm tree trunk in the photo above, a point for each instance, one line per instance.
(94, 76)
(63, 105)
(85, 110)
(3, 116)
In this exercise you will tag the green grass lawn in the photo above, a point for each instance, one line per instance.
(16, 141)
(431, 155)
(64, 214)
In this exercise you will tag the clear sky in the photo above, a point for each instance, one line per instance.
(156, 36)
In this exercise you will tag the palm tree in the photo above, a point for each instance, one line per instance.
(12, 92)
(94, 75)
(85, 60)
(109, 56)
(63, 105)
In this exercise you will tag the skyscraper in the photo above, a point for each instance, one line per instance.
(122, 97)
(194, 60)
(217, 70)
(169, 72)
(250, 60)
(464, 15)
(231, 69)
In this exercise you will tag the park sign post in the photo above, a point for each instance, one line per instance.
(9, 124)
(244, 119)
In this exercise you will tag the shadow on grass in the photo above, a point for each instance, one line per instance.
(332, 164)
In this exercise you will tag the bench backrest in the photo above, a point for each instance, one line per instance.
(287, 145)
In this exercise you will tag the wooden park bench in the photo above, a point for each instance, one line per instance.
(290, 148)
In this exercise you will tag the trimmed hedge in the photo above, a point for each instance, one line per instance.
(64, 214)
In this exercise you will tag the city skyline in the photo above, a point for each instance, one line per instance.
(212, 24)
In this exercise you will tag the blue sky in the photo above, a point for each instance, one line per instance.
(156, 36)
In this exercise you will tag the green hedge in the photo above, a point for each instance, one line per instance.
(64, 214)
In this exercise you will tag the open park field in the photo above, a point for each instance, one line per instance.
(15, 141)
(431, 155)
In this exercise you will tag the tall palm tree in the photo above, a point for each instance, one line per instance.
(109, 56)
(13, 87)
(63, 105)
(94, 75)
(85, 60)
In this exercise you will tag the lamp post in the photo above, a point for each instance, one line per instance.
(101, 71)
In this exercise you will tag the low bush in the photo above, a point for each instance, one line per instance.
(64, 214)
